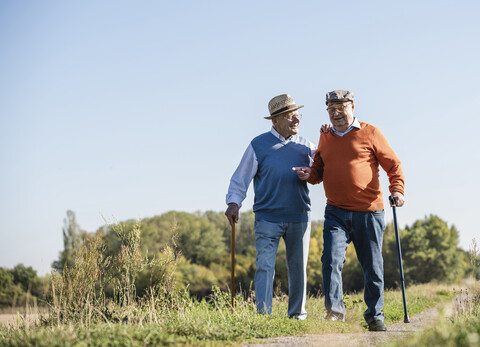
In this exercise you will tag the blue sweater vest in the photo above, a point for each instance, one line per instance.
(280, 196)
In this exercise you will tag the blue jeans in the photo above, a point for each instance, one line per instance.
(365, 230)
(297, 238)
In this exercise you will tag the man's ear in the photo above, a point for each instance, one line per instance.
(353, 106)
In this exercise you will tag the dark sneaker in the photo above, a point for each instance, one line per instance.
(377, 325)
(335, 317)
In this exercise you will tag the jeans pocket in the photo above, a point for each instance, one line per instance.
(330, 207)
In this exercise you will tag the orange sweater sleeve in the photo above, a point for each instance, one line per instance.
(389, 162)
(316, 174)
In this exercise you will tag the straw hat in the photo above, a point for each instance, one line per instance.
(281, 104)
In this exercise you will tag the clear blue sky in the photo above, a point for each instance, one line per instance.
(130, 109)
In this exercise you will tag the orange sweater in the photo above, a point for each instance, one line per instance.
(348, 167)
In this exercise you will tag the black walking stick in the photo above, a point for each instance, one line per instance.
(402, 280)
(232, 284)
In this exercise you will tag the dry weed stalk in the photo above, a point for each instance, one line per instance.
(79, 293)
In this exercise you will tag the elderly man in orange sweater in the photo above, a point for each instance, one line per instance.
(347, 161)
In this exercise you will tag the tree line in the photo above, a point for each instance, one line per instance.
(18, 283)
(201, 246)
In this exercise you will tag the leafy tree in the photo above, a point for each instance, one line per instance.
(244, 269)
(473, 260)
(72, 240)
(245, 232)
(244, 229)
(24, 276)
(431, 251)
(198, 278)
(200, 240)
(197, 238)
(221, 222)
(390, 256)
(6, 278)
(10, 293)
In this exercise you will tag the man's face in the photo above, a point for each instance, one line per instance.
(341, 114)
(287, 124)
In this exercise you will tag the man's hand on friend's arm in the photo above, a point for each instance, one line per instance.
(325, 128)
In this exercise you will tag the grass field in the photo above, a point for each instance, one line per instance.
(80, 313)
(185, 321)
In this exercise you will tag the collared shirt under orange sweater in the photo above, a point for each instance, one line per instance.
(348, 165)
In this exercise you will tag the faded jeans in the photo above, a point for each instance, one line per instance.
(365, 230)
(297, 238)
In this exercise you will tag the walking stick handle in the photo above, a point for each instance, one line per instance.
(392, 201)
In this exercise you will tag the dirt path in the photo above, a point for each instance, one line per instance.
(395, 331)
(11, 319)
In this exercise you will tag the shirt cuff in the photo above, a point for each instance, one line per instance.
(232, 198)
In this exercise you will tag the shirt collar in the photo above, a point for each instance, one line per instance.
(355, 124)
(280, 137)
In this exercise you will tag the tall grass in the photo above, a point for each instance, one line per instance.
(78, 295)
(83, 312)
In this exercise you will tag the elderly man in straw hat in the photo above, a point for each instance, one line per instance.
(282, 204)
(347, 161)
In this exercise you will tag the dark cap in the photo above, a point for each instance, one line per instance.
(339, 96)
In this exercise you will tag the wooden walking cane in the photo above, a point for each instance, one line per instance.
(399, 250)
(232, 284)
